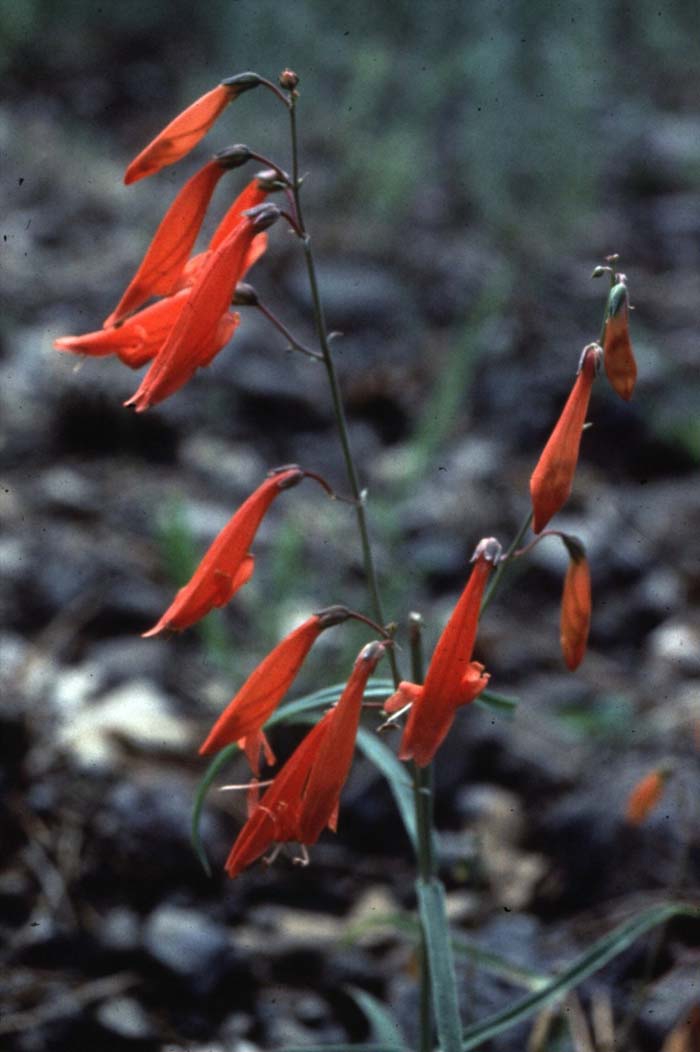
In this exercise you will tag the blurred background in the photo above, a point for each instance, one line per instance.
(467, 167)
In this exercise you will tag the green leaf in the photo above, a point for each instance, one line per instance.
(396, 775)
(219, 761)
(589, 962)
(503, 704)
(443, 981)
(486, 960)
(383, 1025)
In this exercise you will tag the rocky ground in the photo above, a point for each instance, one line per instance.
(113, 937)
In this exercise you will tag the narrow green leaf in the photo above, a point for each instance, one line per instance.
(219, 761)
(589, 962)
(383, 1025)
(503, 704)
(395, 773)
(443, 981)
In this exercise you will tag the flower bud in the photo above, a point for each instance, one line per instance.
(575, 604)
(233, 156)
(288, 79)
(242, 82)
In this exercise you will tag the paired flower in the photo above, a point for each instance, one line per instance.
(618, 357)
(575, 604)
(264, 689)
(646, 795)
(304, 796)
(552, 479)
(453, 679)
(184, 132)
(227, 565)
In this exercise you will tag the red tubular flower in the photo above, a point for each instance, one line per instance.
(206, 326)
(264, 689)
(552, 479)
(303, 798)
(575, 605)
(182, 134)
(645, 796)
(453, 679)
(167, 254)
(618, 357)
(227, 565)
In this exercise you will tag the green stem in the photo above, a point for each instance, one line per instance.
(423, 803)
(338, 407)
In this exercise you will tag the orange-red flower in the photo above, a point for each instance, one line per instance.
(646, 795)
(184, 132)
(227, 565)
(167, 253)
(575, 605)
(304, 796)
(453, 679)
(618, 357)
(206, 325)
(137, 340)
(264, 689)
(552, 479)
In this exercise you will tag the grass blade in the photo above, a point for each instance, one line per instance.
(592, 960)
(219, 761)
(384, 1027)
(443, 981)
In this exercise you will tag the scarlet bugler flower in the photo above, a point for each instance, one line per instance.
(453, 679)
(618, 357)
(304, 796)
(184, 131)
(206, 325)
(552, 479)
(266, 686)
(227, 565)
(646, 795)
(172, 243)
(575, 604)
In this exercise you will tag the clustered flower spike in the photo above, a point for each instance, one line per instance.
(303, 798)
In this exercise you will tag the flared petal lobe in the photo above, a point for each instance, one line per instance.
(452, 679)
(198, 334)
(166, 256)
(552, 479)
(181, 135)
(226, 566)
(575, 607)
(264, 689)
(303, 798)
(618, 357)
(135, 342)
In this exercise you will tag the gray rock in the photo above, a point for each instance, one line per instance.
(669, 998)
(125, 1017)
(188, 943)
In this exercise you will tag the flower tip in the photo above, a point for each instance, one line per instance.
(488, 549)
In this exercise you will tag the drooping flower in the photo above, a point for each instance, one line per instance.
(575, 604)
(172, 243)
(137, 340)
(227, 565)
(266, 686)
(184, 131)
(303, 799)
(618, 357)
(552, 479)
(646, 795)
(453, 679)
(206, 325)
